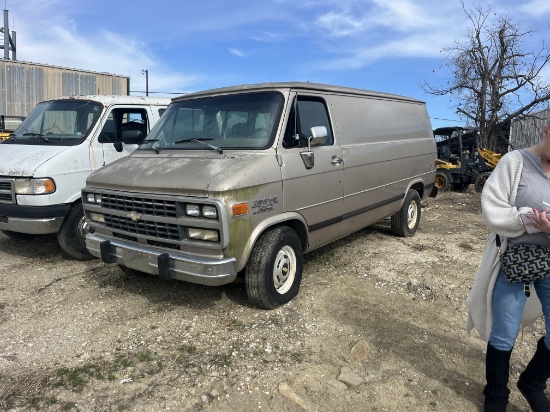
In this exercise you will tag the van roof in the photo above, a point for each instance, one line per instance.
(295, 86)
(118, 99)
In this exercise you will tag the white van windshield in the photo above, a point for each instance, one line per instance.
(58, 122)
(243, 121)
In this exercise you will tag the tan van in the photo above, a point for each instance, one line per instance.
(247, 179)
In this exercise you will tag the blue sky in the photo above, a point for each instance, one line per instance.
(382, 45)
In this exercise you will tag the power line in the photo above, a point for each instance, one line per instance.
(142, 91)
(447, 120)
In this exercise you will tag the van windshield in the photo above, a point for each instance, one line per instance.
(57, 122)
(242, 121)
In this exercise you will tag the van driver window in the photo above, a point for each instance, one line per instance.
(311, 112)
(122, 119)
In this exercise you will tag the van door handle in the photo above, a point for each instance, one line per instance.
(336, 161)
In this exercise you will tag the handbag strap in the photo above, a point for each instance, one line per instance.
(498, 242)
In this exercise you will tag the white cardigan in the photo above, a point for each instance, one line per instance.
(500, 216)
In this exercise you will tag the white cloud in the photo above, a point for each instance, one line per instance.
(238, 53)
(269, 37)
(536, 8)
(58, 41)
(388, 30)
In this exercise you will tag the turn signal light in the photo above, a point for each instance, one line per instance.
(240, 209)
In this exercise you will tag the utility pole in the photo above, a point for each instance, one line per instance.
(146, 73)
(9, 40)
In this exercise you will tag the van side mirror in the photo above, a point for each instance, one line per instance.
(318, 138)
(128, 137)
(131, 136)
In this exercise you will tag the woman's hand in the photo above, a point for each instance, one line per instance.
(540, 221)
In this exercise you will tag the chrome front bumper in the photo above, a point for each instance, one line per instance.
(167, 265)
(41, 226)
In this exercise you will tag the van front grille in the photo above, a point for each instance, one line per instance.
(142, 206)
(143, 227)
(6, 194)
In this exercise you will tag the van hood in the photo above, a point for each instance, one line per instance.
(23, 159)
(178, 174)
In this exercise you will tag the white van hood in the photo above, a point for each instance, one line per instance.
(23, 160)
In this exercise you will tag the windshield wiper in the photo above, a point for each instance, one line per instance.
(211, 146)
(39, 135)
(150, 141)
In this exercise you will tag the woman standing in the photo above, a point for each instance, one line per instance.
(498, 309)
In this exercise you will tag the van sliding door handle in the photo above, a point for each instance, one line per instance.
(336, 161)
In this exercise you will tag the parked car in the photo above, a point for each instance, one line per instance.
(245, 179)
(45, 162)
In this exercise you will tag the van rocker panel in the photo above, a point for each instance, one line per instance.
(167, 265)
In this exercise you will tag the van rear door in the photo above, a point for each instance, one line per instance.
(315, 191)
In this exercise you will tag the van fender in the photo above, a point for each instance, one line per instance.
(421, 187)
(293, 220)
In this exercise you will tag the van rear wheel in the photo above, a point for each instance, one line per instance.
(274, 270)
(72, 235)
(405, 222)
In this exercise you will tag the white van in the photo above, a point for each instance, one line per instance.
(45, 162)
(245, 179)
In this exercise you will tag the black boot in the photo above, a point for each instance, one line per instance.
(497, 366)
(532, 381)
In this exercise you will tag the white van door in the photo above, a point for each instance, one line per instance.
(314, 190)
(119, 119)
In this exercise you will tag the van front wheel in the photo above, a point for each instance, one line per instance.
(72, 235)
(405, 222)
(274, 270)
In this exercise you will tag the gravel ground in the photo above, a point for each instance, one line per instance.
(379, 325)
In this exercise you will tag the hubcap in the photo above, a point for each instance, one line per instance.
(82, 229)
(412, 213)
(284, 270)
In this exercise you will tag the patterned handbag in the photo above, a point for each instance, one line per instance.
(525, 263)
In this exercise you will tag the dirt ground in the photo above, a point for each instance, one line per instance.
(379, 325)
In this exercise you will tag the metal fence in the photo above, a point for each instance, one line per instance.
(527, 132)
(23, 85)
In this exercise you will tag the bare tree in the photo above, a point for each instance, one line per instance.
(492, 77)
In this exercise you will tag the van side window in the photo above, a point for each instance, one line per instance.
(311, 112)
(120, 120)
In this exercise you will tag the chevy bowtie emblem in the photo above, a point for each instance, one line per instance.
(133, 216)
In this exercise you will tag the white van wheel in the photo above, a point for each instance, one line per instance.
(72, 235)
(405, 222)
(274, 269)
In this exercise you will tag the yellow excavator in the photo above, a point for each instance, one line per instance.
(8, 124)
(460, 160)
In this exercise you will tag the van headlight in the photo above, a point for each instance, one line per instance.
(206, 211)
(93, 198)
(34, 186)
(210, 212)
(97, 217)
(202, 234)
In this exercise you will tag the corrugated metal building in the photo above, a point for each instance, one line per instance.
(527, 132)
(23, 85)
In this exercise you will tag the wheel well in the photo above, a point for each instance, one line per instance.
(298, 227)
(419, 187)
